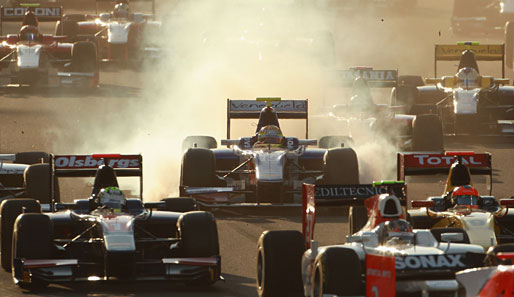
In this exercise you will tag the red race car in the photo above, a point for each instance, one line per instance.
(32, 58)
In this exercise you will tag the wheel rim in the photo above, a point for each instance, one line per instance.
(260, 270)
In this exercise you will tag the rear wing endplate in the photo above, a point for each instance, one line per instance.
(374, 78)
(483, 52)
(87, 165)
(341, 195)
(250, 109)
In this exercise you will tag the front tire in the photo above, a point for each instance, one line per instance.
(357, 219)
(427, 133)
(279, 260)
(341, 167)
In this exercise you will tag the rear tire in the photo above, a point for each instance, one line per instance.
(427, 133)
(180, 204)
(411, 80)
(37, 183)
(279, 259)
(33, 239)
(341, 167)
(199, 238)
(357, 219)
(30, 158)
(404, 95)
(198, 168)
(83, 57)
(9, 211)
(207, 142)
(66, 27)
(337, 272)
(335, 141)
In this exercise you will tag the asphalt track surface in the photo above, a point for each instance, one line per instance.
(34, 120)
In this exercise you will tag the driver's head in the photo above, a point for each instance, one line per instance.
(29, 33)
(468, 78)
(270, 135)
(399, 231)
(112, 197)
(121, 10)
(465, 195)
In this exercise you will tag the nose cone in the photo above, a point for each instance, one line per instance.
(270, 166)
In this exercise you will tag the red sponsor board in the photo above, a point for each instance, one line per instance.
(443, 161)
(380, 276)
(91, 162)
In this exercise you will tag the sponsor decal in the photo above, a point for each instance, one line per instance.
(430, 262)
(356, 191)
(86, 161)
(428, 160)
(369, 75)
(481, 51)
(39, 11)
(380, 276)
(284, 105)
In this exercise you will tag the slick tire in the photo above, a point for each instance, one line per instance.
(199, 238)
(509, 45)
(83, 57)
(279, 258)
(37, 183)
(180, 204)
(411, 80)
(337, 271)
(66, 27)
(341, 167)
(31, 158)
(404, 95)
(207, 142)
(33, 239)
(77, 17)
(427, 133)
(335, 141)
(10, 209)
(198, 168)
(357, 219)
(438, 231)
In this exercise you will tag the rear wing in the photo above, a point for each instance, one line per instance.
(16, 14)
(432, 164)
(341, 195)
(126, 1)
(87, 165)
(483, 52)
(250, 109)
(374, 78)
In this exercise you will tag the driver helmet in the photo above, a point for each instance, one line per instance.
(29, 33)
(468, 78)
(121, 10)
(398, 231)
(465, 195)
(270, 134)
(112, 197)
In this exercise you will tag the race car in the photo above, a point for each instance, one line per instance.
(108, 236)
(361, 118)
(469, 104)
(36, 59)
(21, 169)
(120, 35)
(266, 167)
(483, 218)
(386, 258)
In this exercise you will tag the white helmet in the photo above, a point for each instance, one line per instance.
(112, 197)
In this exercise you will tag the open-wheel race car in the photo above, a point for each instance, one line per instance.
(266, 167)
(107, 236)
(485, 220)
(361, 119)
(387, 257)
(120, 35)
(32, 58)
(469, 104)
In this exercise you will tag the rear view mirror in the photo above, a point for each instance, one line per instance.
(452, 237)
